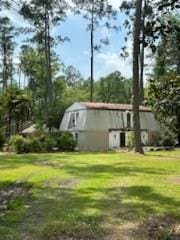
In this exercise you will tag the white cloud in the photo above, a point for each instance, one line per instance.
(115, 3)
(15, 17)
(113, 62)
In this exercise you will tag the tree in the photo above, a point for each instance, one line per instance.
(95, 11)
(7, 32)
(44, 15)
(16, 108)
(73, 76)
(31, 62)
(164, 84)
(114, 88)
(136, 53)
(164, 97)
(147, 16)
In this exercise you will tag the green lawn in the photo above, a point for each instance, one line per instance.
(85, 196)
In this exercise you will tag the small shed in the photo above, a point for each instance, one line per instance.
(103, 126)
(30, 130)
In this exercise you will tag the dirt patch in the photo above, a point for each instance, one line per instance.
(68, 183)
(154, 228)
(126, 231)
(174, 180)
(161, 228)
(13, 190)
(49, 163)
(62, 184)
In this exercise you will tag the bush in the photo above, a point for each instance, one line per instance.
(167, 138)
(25, 145)
(35, 145)
(130, 140)
(49, 143)
(66, 142)
(18, 142)
(2, 140)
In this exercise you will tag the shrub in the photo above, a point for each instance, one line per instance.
(49, 143)
(66, 142)
(2, 140)
(18, 142)
(167, 138)
(35, 145)
(130, 140)
(27, 146)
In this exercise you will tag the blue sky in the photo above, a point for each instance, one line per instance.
(76, 52)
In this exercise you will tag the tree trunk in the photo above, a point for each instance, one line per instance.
(5, 72)
(178, 63)
(141, 82)
(141, 85)
(92, 53)
(50, 85)
(136, 52)
(178, 126)
(48, 59)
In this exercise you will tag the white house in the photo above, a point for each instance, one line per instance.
(103, 126)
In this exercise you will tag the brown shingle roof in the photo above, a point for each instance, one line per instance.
(112, 106)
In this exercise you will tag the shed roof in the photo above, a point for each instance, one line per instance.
(30, 129)
(112, 106)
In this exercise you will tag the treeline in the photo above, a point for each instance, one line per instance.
(40, 87)
(22, 107)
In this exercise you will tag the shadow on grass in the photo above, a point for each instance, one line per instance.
(80, 169)
(61, 213)
(57, 213)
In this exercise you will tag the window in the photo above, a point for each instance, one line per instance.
(76, 137)
(128, 120)
(73, 120)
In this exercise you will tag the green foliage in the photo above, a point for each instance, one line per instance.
(7, 34)
(18, 142)
(167, 137)
(66, 142)
(164, 84)
(17, 107)
(114, 88)
(130, 140)
(35, 145)
(49, 144)
(42, 143)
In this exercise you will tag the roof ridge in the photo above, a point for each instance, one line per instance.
(112, 106)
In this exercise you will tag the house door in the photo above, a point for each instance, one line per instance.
(114, 139)
(122, 139)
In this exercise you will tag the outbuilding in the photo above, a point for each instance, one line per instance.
(104, 126)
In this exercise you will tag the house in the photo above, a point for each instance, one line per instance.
(103, 126)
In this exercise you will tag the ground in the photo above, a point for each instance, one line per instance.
(90, 196)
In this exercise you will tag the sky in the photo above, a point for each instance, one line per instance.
(77, 51)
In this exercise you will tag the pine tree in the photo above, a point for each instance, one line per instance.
(95, 11)
(7, 32)
(136, 53)
(44, 15)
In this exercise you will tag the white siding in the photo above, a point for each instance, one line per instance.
(103, 120)
(148, 121)
(80, 124)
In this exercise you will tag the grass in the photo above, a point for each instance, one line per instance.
(85, 195)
